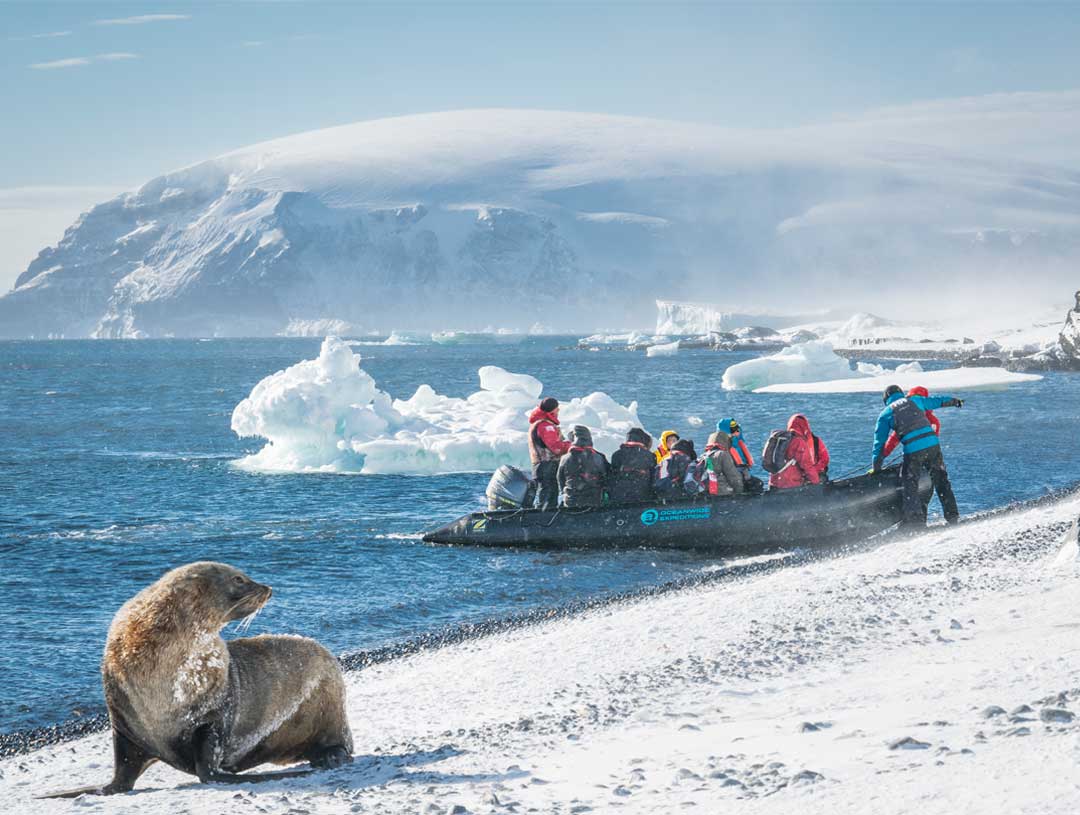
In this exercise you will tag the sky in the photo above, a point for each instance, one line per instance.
(98, 97)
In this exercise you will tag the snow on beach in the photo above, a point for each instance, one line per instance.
(328, 415)
(932, 674)
(813, 367)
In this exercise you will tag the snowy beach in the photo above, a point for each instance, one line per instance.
(870, 679)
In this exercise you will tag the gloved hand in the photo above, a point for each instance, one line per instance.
(877, 466)
(956, 403)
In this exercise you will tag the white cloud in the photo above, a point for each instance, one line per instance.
(75, 62)
(71, 62)
(140, 19)
(43, 36)
(32, 218)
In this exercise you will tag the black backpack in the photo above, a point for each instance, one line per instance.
(774, 457)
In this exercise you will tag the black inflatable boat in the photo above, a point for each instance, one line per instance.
(848, 509)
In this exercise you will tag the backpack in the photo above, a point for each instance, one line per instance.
(774, 457)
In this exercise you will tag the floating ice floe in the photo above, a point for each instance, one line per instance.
(805, 362)
(947, 381)
(813, 367)
(669, 349)
(328, 415)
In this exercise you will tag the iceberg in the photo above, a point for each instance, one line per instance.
(946, 381)
(813, 367)
(328, 415)
(805, 362)
(669, 349)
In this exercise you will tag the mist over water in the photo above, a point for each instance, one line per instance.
(118, 457)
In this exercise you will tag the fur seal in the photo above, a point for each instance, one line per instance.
(178, 693)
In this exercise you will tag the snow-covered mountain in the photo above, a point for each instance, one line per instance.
(504, 218)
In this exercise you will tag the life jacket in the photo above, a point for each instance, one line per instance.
(740, 454)
(538, 450)
(911, 424)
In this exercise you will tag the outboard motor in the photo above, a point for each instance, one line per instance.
(510, 488)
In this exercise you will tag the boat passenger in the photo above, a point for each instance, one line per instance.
(667, 440)
(630, 475)
(807, 457)
(894, 440)
(546, 445)
(740, 454)
(906, 416)
(582, 472)
(722, 476)
(673, 478)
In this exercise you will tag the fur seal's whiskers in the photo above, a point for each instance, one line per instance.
(245, 623)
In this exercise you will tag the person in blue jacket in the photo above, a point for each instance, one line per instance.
(906, 416)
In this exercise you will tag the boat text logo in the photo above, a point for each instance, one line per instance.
(653, 516)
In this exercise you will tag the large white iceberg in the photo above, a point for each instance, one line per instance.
(946, 381)
(328, 415)
(804, 362)
(813, 367)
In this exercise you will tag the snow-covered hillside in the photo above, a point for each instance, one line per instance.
(501, 217)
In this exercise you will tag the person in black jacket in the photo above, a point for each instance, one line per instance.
(582, 472)
(630, 475)
(673, 477)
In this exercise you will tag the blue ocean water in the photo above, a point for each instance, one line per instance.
(115, 466)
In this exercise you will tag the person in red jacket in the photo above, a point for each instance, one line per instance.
(935, 422)
(807, 457)
(546, 446)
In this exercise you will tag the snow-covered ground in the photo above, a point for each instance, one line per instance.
(934, 674)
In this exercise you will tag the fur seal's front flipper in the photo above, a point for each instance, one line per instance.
(129, 762)
(208, 750)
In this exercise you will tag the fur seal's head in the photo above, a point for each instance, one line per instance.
(198, 597)
(216, 592)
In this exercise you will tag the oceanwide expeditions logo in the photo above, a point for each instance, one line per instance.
(654, 516)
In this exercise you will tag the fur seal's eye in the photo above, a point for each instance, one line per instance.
(238, 580)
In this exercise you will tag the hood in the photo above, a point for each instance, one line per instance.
(720, 439)
(580, 436)
(895, 397)
(539, 415)
(638, 435)
(799, 424)
(726, 426)
(918, 390)
(685, 446)
(667, 434)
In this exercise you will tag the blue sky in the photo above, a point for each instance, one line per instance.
(120, 92)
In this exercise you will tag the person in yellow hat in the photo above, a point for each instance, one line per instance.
(668, 439)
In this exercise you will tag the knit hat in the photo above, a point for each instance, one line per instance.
(580, 436)
(549, 404)
(685, 446)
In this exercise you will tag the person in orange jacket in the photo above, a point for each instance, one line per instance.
(935, 423)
